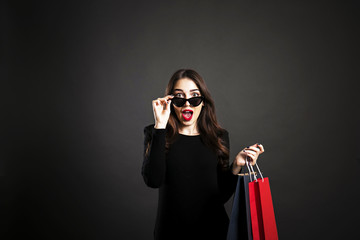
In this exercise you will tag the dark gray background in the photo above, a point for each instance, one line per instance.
(78, 82)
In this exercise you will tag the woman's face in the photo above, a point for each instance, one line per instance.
(187, 114)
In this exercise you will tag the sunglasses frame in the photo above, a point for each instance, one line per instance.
(188, 99)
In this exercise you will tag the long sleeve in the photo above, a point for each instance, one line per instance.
(226, 179)
(154, 165)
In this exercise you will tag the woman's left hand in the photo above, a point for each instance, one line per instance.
(250, 154)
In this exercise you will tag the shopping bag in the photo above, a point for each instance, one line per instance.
(262, 210)
(240, 222)
(255, 211)
(267, 210)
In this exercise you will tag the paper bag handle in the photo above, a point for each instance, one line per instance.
(252, 170)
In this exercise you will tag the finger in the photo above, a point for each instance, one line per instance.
(256, 145)
(158, 100)
(162, 100)
(167, 97)
(254, 149)
(155, 103)
(242, 154)
(251, 154)
(251, 159)
(168, 105)
(261, 147)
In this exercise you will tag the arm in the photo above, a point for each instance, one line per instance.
(153, 169)
(226, 179)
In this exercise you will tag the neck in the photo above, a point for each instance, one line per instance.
(189, 130)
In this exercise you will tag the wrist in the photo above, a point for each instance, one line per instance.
(160, 126)
(235, 170)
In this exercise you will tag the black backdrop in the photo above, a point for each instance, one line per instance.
(77, 83)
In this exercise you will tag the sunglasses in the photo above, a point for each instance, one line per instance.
(194, 101)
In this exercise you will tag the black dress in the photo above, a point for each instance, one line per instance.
(192, 187)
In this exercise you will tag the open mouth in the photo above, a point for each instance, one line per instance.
(187, 114)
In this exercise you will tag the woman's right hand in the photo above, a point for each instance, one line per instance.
(161, 109)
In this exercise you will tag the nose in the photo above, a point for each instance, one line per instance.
(187, 103)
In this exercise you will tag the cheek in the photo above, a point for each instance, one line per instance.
(177, 111)
(198, 111)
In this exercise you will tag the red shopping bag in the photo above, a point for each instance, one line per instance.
(262, 210)
(255, 211)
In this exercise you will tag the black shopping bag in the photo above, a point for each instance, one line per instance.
(240, 219)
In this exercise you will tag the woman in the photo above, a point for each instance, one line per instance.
(186, 156)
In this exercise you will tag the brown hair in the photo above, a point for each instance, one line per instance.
(210, 131)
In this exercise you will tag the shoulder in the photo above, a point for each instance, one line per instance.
(224, 134)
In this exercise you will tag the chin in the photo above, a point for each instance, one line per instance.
(187, 123)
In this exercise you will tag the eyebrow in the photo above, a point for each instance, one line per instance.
(192, 90)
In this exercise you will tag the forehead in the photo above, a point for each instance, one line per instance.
(185, 84)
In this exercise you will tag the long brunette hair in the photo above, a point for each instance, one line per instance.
(210, 131)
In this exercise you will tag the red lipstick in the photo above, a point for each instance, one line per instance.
(187, 114)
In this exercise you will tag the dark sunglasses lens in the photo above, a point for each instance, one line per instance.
(179, 102)
(195, 101)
